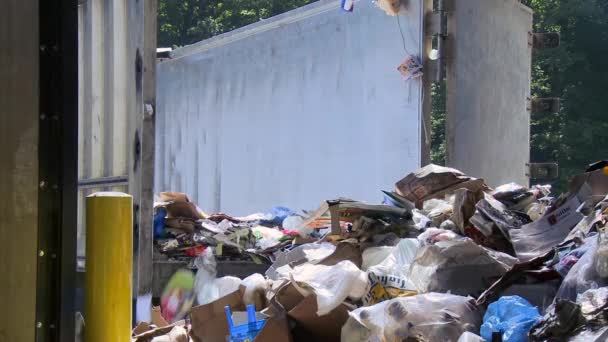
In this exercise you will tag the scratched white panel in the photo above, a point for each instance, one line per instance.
(299, 108)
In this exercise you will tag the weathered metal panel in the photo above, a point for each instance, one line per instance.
(488, 75)
(293, 110)
(19, 66)
(117, 66)
(103, 98)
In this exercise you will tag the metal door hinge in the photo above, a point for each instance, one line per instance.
(547, 40)
(543, 105)
(542, 171)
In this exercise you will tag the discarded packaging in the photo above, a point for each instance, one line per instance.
(389, 279)
(331, 284)
(511, 317)
(539, 237)
(457, 266)
(425, 317)
(399, 271)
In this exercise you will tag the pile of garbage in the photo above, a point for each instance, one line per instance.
(443, 258)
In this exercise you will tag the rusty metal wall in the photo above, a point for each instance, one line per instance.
(19, 60)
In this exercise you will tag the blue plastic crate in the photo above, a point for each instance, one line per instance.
(244, 332)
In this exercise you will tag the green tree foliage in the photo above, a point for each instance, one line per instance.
(438, 116)
(577, 72)
(183, 22)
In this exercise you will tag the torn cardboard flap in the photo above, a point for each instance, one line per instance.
(434, 181)
(184, 209)
(209, 321)
(176, 332)
(303, 310)
(157, 317)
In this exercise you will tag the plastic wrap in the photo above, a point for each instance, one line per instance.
(470, 337)
(512, 317)
(425, 317)
(437, 210)
(583, 275)
(459, 266)
(374, 255)
(389, 279)
(331, 284)
(311, 252)
(254, 284)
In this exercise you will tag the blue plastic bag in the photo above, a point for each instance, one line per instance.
(159, 223)
(512, 316)
(277, 215)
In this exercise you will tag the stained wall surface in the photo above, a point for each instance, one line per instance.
(19, 60)
(291, 111)
(488, 82)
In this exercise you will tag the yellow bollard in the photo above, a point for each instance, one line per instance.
(109, 265)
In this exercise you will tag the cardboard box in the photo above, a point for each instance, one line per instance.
(209, 323)
(303, 311)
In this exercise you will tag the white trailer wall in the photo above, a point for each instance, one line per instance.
(488, 79)
(293, 110)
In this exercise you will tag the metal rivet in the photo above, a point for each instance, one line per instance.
(39, 325)
(42, 48)
(42, 184)
(41, 253)
(42, 116)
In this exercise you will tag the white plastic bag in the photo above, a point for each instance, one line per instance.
(267, 237)
(311, 252)
(375, 255)
(205, 277)
(255, 283)
(331, 284)
(389, 278)
(470, 337)
(434, 235)
(420, 220)
(426, 317)
(296, 223)
(226, 285)
(209, 288)
(583, 275)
